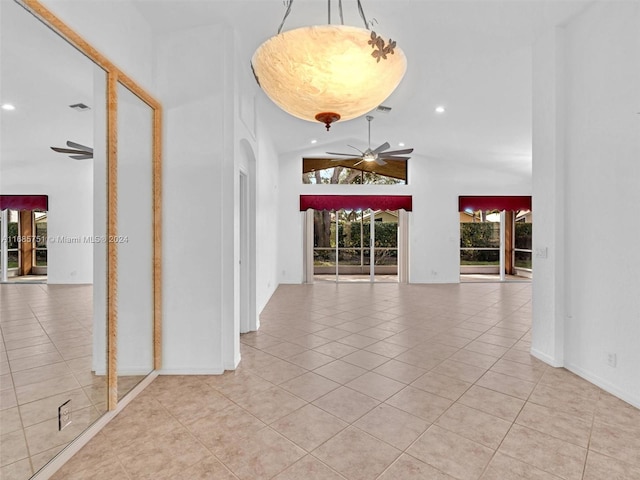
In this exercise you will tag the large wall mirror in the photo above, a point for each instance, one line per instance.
(80, 304)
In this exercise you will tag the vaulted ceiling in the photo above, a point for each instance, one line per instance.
(474, 57)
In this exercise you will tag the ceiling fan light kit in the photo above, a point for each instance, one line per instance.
(329, 72)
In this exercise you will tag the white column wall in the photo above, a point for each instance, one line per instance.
(549, 210)
(601, 177)
(194, 221)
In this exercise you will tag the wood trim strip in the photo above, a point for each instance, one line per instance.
(112, 232)
(137, 90)
(157, 238)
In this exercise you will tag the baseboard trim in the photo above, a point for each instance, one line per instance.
(192, 371)
(546, 358)
(605, 385)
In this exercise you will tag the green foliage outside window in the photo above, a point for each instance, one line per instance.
(480, 235)
(524, 234)
(386, 235)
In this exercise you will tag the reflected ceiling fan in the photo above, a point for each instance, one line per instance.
(378, 155)
(77, 151)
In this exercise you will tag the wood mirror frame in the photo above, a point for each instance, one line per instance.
(114, 76)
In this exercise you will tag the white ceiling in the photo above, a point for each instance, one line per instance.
(473, 57)
(41, 75)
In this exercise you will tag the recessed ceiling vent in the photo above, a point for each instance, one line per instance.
(80, 107)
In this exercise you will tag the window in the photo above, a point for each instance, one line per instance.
(354, 172)
(40, 241)
(13, 234)
(480, 238)
(523, 230)
(343, 247)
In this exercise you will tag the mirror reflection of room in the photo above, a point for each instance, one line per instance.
(53, 290)
(134, 240)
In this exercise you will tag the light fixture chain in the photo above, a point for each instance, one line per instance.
(341, 14)
(364, 18)
(329, 11)
(288, 4)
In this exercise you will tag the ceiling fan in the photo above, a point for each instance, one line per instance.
(378, 155)
(78, 151)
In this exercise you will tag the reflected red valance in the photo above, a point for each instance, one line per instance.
(24, 202)
(494, 203)
(356, 202)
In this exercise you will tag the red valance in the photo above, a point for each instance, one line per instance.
(356, 202)
(494, 203)
(24, 202)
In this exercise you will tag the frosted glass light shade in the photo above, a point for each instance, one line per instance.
(326, 69)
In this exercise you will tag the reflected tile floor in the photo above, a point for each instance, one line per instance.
(45, 360)
(385, 381)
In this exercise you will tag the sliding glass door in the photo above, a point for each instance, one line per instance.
(345, 241)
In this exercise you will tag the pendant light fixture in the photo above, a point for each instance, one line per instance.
(328, 72)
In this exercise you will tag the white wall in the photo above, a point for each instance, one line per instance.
(549, 197)
(261, 164)
(116, 30)
(194, 223)
(267, 221)
(601, 178)
(434, 225)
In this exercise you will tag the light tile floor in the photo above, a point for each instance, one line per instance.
(393, 382)
(45, 360)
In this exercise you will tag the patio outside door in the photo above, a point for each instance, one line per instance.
(346, 241)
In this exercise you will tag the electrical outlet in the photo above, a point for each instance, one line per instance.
(612, 359)
(64, 414)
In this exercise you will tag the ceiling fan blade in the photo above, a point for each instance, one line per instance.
(81, 157)
(379, 161)
(79, 146)
(391, 157)
(358, 163)
(69, 150)
(382, 147)
(356, 149)
(341, 154)
(352, 159)
(399, 152)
